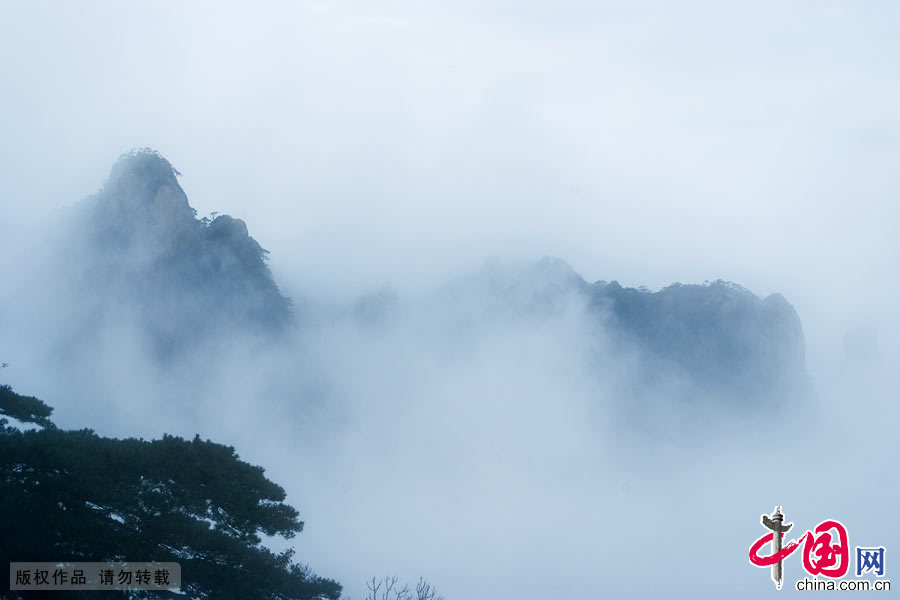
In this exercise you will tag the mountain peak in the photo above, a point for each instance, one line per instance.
(145, 163)
(142, 189)
(144, 247)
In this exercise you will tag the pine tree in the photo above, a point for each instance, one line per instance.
(77, 496)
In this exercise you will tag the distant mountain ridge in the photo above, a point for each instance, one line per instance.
(718, 338)
(184, 279)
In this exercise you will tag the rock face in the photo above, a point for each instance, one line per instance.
(145, 251)
(719, 335)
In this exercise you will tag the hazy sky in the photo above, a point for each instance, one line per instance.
(649, 142)
(406, 142)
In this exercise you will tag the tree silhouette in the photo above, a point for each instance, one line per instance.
(76, 496)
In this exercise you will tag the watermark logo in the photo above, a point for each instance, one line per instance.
(825, 552)
(126, 576)
(870, 560)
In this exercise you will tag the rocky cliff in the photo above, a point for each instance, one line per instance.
(143, 250)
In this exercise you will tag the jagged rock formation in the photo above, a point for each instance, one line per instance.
(144, 251)
(145, 255)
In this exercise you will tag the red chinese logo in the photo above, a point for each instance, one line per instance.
(822, 554)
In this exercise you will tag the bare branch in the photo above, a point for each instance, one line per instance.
(388, 588)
